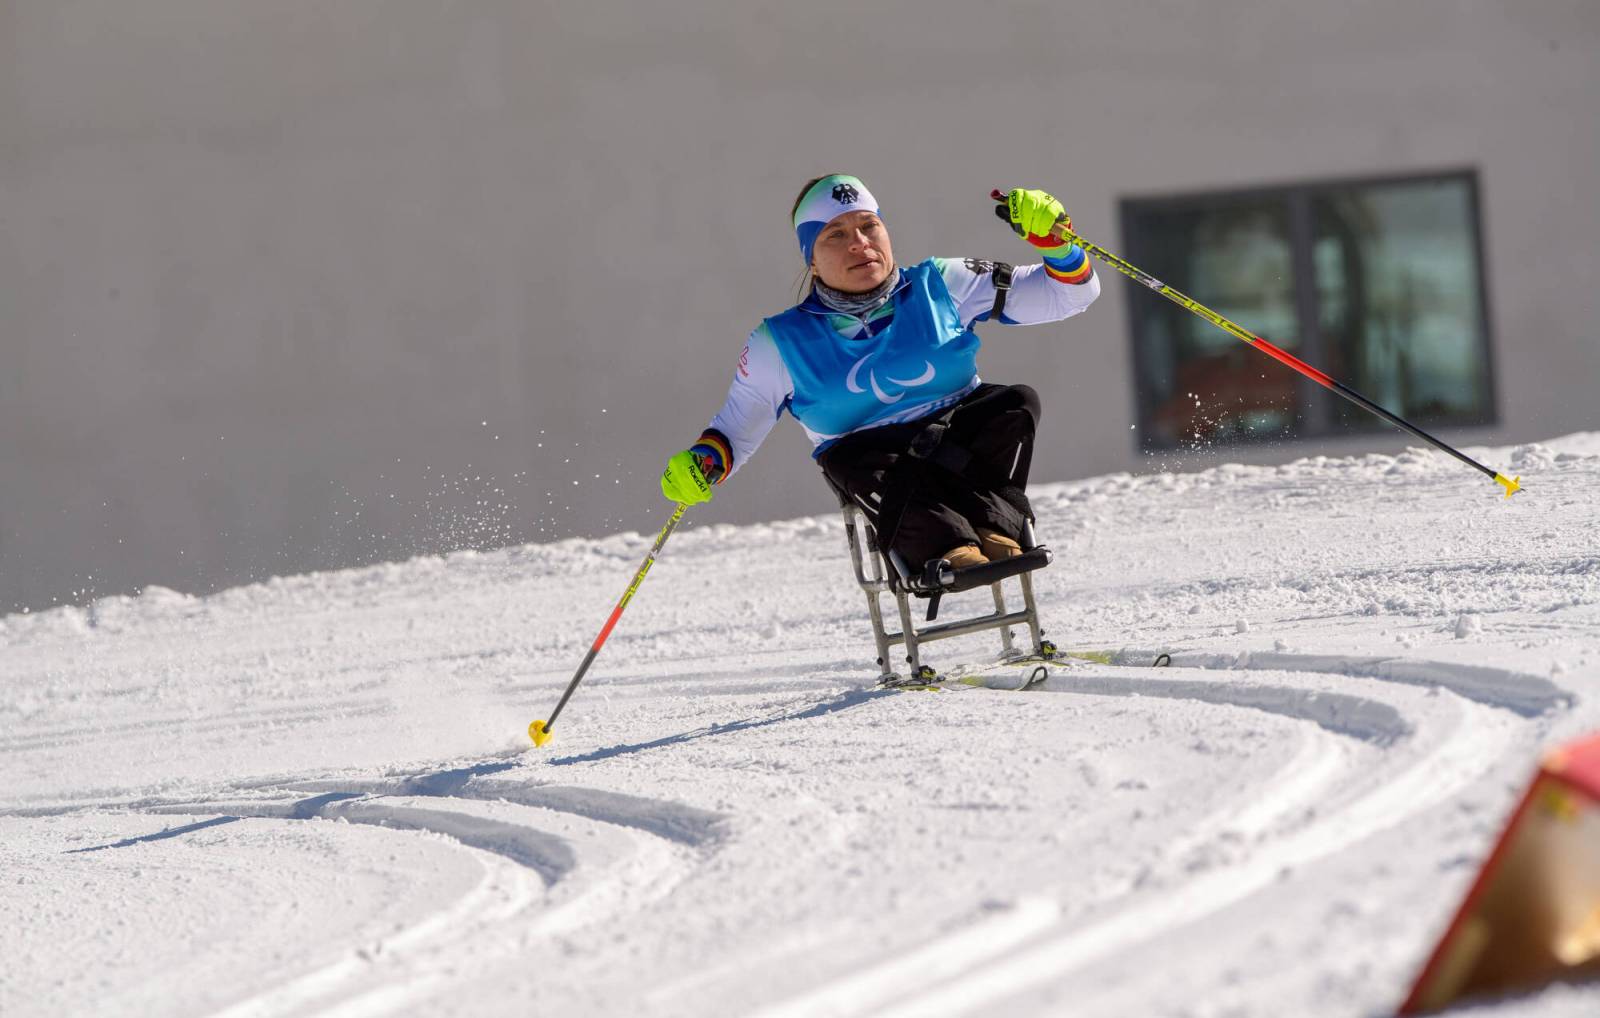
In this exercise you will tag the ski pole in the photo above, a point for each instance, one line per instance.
(539, 731)
(1061, 232)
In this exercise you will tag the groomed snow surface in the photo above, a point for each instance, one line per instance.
(316, 795)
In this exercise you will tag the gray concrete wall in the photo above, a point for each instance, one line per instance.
(267, 268)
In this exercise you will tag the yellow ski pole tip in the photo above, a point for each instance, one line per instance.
(538, 733)
(1511, 484)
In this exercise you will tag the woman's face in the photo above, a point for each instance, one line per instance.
(852, 253)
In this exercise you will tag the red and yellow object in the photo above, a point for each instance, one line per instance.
(539, 731)
(1533, 915)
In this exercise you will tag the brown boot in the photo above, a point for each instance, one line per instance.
(963, 556)
(998, 546)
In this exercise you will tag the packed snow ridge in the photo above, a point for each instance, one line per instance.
(315, 795)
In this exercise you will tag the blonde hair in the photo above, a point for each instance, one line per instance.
(807, 277)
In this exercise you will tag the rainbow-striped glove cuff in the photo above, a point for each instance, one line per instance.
(1065, 263)
(714, 454)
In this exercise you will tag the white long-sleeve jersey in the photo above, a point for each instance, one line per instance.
(762, 387)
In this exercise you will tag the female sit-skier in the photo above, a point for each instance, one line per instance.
(878, 364)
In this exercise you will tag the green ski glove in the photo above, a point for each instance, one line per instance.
(1031, 214)
(684, 481)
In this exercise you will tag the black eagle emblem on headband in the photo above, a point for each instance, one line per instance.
(845, 194)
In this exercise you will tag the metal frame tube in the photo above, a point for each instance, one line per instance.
(1005, 631)
(1034, 629)
(961, 627)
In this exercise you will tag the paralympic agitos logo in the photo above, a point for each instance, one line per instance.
(852, 381)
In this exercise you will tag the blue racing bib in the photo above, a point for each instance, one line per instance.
(846, 379)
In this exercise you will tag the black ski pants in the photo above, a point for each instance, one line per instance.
(924, 506)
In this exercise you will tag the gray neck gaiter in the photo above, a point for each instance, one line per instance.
(857, 304)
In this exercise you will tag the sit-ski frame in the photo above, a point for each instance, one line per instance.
(890, 574)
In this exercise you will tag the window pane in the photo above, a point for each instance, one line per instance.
(1398, 303)
(1199, 383)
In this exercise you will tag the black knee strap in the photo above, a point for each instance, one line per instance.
(930, 447)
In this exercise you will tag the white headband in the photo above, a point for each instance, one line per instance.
(827, 199)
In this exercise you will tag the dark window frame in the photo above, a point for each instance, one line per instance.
(1319, 406)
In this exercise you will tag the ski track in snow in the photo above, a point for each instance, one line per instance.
(1142, 915)
(551, 857)
(731, 822)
